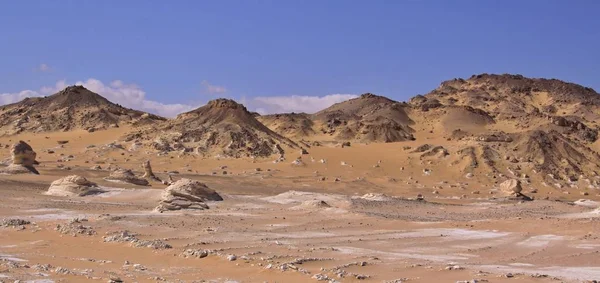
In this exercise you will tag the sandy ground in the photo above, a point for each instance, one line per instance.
(269, 223)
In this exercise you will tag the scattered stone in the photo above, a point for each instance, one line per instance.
(195, 253)
(62, 142)
(231, 257)
(454, 267)
(298, 162)
(14, 222)
(128, 237)
(74, 228)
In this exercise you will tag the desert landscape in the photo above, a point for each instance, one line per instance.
(493, 178)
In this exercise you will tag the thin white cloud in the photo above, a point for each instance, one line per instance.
(214, 89)
(128, 95)
(8, 98)
(133, 96)
(296, 103)
(43, 68)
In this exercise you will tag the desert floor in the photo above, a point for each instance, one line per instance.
(274, 224)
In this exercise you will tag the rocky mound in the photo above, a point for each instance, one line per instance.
(23, 159)
(222, 127)
(515, 126)
(187, 194)
(75, 107)
(312, 204)
(126, 176)
(516, 98)
(368, 118)
(73, 186)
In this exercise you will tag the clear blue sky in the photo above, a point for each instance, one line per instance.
(313, 47)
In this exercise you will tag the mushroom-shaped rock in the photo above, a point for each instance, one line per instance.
(73, 185)
(23, 154)
(186, 194)
(126, 176)
(23, 159)
(512, 186)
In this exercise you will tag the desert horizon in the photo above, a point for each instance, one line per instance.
(299, 141)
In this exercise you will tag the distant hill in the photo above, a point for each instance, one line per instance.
(222, 127)
(75, 107)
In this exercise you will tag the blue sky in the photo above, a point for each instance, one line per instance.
(187, 52)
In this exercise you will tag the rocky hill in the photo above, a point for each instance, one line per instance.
(75, 107)
(517, 126)
(221, 127)
(368, 118)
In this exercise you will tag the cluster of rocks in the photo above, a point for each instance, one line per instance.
(186, 194)
(128, 237)
(13, 222)
(75, 227)
(195, 253)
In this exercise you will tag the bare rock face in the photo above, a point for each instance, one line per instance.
(512, 186)
(186, 194)
(148, 174)
(127, 176)
(23, 159)
(73, 185)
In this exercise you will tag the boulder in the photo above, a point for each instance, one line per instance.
(23, 159)
(298, 162)
(73, 185)
(126, 176)
(512, 186)
(186, 194)
(23, 154)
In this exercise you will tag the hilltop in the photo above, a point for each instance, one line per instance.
(75, 107)
(222, 127)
